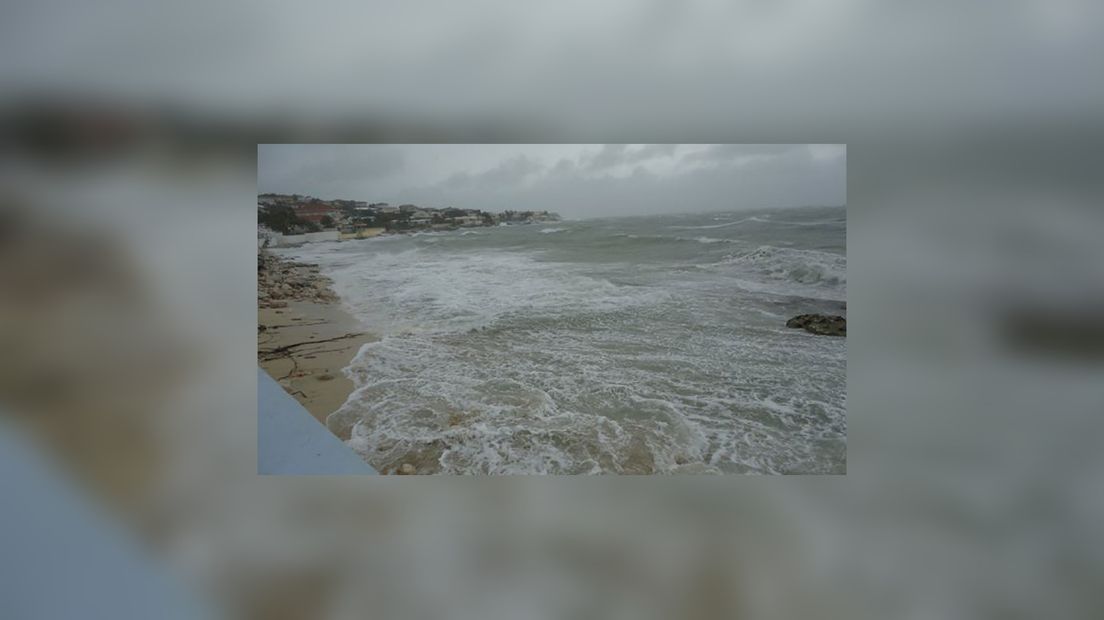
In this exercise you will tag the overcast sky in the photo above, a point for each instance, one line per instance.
(589, 180)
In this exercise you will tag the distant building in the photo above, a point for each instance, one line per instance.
(316, 212)
(469, 220)
(408, 208)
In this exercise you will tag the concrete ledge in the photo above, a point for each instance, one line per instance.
(291, 442)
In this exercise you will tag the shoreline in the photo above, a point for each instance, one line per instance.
(305, 339)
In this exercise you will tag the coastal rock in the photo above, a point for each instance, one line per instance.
(278, 278)
(407, 470)
(820, 324)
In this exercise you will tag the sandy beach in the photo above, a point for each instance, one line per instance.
(304, 337)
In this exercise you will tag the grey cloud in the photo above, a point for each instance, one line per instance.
(608, 156)
(507, 174)
(325, 170)
(349, 165)
(730, 152)
(612, 155)
(563, 167)
(649, 151)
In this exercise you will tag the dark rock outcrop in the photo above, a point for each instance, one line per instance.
(820, 324)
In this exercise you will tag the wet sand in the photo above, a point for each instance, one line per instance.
(304, 337)
(305, 346)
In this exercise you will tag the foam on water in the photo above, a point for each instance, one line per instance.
(415, 289)
(724, 224)
(518, 351)
(788, 271)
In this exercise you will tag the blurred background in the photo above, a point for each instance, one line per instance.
(127, 312)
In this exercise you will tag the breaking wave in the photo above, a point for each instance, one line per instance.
(802, 266)
(753, 218)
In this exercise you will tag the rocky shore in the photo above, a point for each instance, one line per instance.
(304, 338)
(280, 280)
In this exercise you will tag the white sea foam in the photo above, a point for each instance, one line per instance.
(803, 266)
(821, 223)
(488, 403)
(753, 218)
(701, 239)
(787, 271)
(399, 291)
(546, 231)
(495, 357)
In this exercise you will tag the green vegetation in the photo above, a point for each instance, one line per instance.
(281, 219)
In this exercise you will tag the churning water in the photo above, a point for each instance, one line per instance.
(632, 345)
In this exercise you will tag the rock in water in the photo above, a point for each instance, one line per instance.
(820, 324)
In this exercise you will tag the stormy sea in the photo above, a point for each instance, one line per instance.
(636, 345)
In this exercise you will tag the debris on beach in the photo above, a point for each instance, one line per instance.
(280, 280)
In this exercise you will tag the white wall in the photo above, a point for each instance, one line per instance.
(325, 235)
(278, 240)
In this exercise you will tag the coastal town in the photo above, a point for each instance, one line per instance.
(292, 219)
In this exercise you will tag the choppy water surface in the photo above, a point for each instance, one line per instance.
(629, 345)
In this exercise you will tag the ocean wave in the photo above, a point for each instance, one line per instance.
(669, 238)
(752, 218)
(835, 222)
(801, 266)
(786, 271)
(547, 231)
